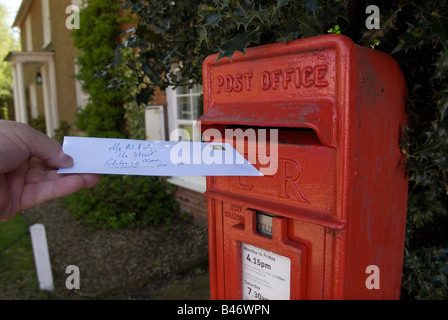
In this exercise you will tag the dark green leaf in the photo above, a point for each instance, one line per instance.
(312, 6)
(440, 29)
(444, 106)
(288, 31)
(442, 163)
(309, 27)
(282, 3)
(238, 43)
(414, 37)
(213, 19)
(338, 10)
(248, 19)
(441, 65)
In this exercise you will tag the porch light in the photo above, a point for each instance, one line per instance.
(38, 78)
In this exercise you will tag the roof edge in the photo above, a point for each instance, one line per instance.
(22, 12)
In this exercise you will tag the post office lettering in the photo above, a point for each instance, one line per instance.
(295, 78)
(235, 82)
(288, 78)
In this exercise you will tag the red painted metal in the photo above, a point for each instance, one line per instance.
(339, 193)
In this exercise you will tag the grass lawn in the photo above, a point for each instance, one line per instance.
(18, 279)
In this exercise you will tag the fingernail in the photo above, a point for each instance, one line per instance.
(67, 161)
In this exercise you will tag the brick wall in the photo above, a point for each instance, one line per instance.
(193, 203)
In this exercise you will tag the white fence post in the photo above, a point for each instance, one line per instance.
(41, 257)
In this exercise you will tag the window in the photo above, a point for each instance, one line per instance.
(185, 105)
(184, 108)
(46, 22)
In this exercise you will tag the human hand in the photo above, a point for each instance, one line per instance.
(28, 169)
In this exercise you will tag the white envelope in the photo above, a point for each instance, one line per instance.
(155, 158)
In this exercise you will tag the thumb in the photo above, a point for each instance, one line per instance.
(41, 146)
(62, 161)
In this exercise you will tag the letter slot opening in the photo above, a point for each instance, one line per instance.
(308, 117)
(281, 135)
(262, 145)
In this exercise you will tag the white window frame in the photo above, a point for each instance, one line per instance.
(46, 23)
(195, 183)
(174, 121)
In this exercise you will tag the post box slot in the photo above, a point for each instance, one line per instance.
(318, 116)
(299, 136)
(291, 136)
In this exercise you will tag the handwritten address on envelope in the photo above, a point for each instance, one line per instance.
(154, 158)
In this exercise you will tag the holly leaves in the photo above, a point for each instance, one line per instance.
(277, 20)
(238, 43)
(429, 22)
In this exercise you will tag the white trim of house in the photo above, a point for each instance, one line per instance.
(33, 100)
(46, 60)
(46, 23)
(195, 183)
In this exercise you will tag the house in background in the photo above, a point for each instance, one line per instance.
(44, 85)
(43, 73)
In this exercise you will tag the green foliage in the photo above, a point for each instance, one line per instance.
(97, 40)
(7, 107)
(180, 34)
(38, 123)
(63, 130)
(422, 53)
(9, 43)
(275, 21)
(124, 202)
(166, 39)
(135, 119)
(427, 273)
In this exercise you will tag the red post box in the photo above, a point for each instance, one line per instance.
(327, 220)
